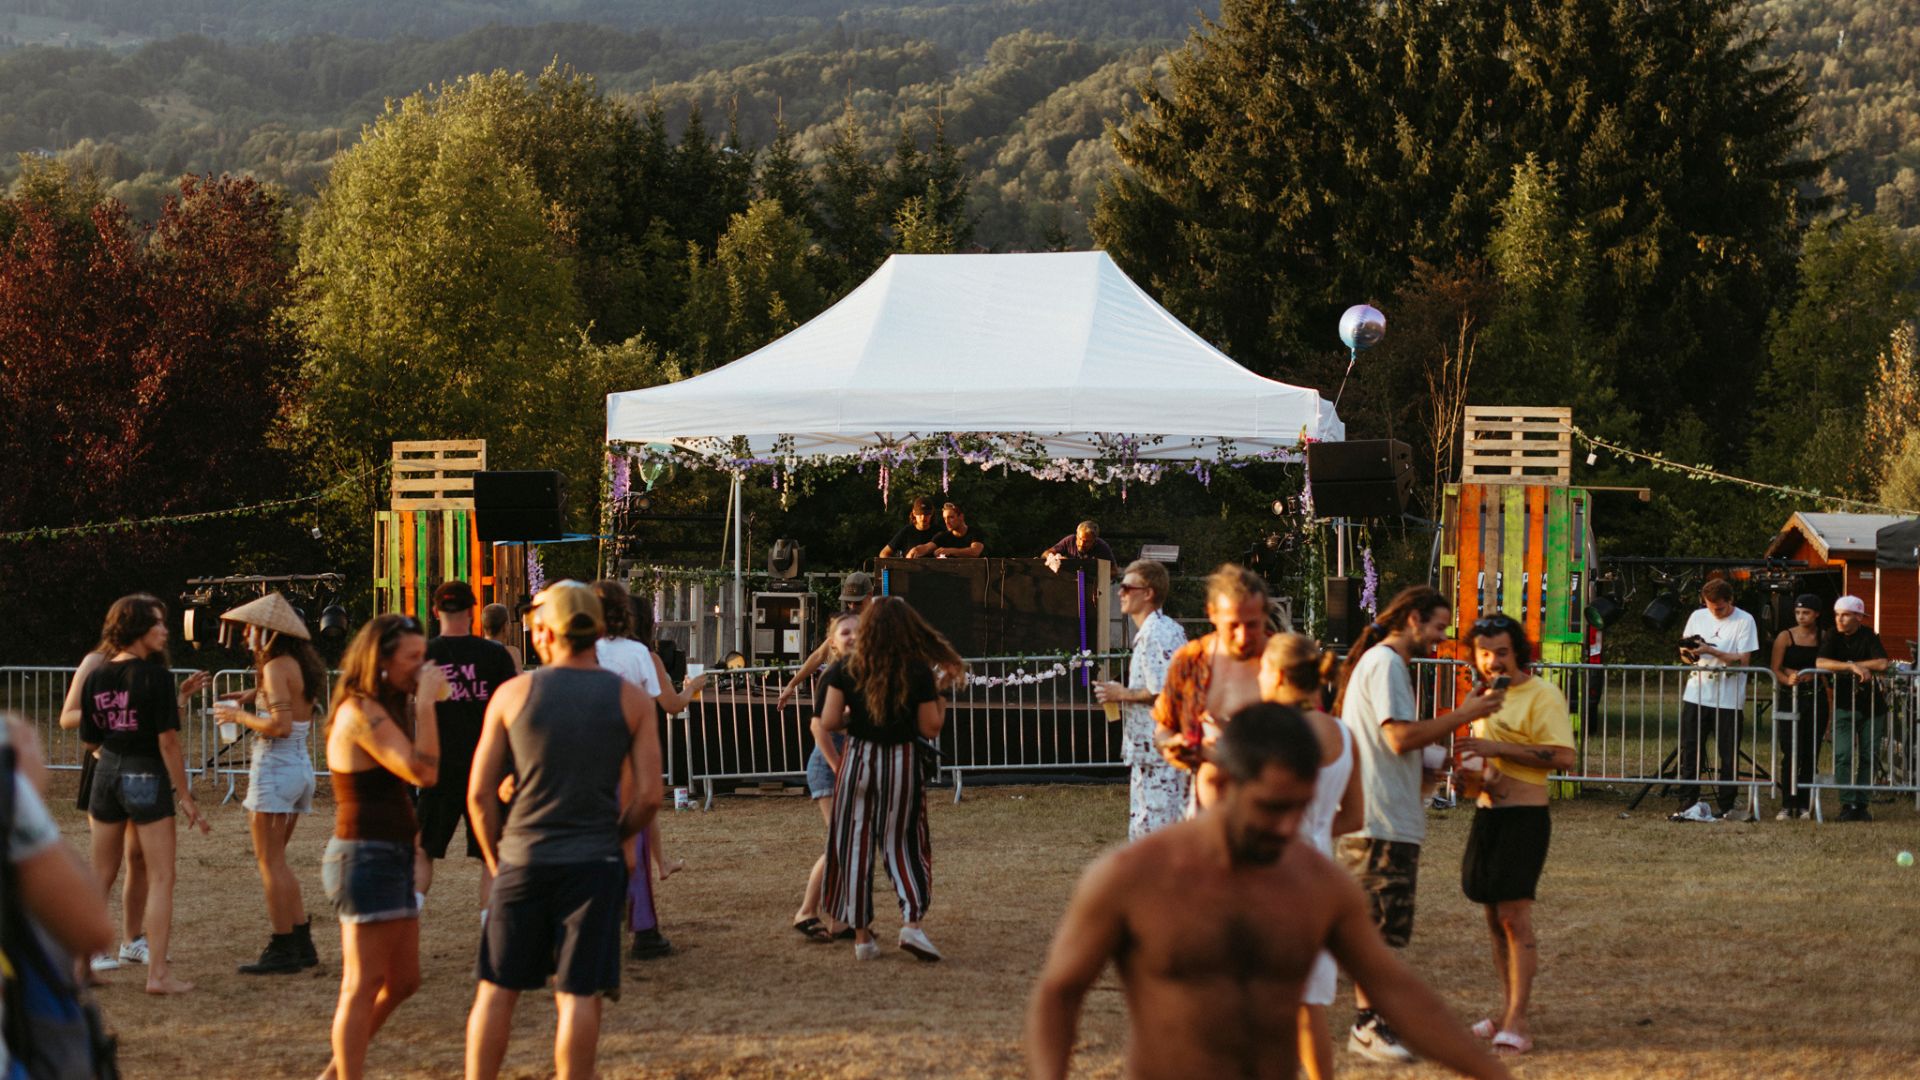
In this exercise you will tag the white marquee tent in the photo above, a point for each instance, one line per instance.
(1061, 347)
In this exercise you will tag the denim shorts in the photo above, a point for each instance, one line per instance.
(820, 776)
(135, 789)
(280, 783)
(369, 880)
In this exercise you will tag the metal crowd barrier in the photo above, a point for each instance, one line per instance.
(1628, 730)
(1027, 714)
(1013, 714)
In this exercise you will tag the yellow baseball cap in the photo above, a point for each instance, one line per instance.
(569, 607)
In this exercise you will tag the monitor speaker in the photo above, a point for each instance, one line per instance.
(518, 506)
(1367, 478)
(1345, 619)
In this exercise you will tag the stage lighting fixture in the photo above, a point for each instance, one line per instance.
(1663, 612)
(783, 559)
(333, 622)
(1604, 612)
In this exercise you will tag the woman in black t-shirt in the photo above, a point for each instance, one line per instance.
(884, 698)
(130, 714)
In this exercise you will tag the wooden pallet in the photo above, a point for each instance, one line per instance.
(1518, 444)
(436, 474)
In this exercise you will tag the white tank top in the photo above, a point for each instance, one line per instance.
(1327, 789)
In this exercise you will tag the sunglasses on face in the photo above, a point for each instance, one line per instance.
(406, 624)
(1495, 624)
(1126, 588)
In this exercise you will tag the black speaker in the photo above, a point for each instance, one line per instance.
(1367, 478)
(1345, 619)
(518, 506)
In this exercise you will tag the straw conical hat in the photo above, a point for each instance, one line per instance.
(271, 612)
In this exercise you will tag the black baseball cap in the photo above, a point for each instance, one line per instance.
(455, 595)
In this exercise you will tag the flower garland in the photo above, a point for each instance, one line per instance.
(1079, 661)
(536, 575)
(1369, 582)
(62, 532)
(1117, 460)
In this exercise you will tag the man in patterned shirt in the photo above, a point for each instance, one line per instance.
(1211, 679)
(1159, 791)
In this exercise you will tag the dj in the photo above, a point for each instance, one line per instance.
(958, 540)
(1085, 543)
(914, 540)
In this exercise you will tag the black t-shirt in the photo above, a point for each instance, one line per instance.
(909, 538)
(475, 669)
(901, 727)
(946, 539)
(1861, 645)
(126, 704)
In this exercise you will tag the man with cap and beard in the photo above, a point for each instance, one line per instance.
(475, 668)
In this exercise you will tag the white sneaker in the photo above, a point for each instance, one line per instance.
(135, 951)
(1375, 1041)
(866, 950)
(103, 962)
(915, 942)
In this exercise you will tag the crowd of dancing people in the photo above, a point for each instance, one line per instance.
(1276, 813)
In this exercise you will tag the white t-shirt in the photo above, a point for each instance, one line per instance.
(631, 661)
(1736, 634)
(1382, 690)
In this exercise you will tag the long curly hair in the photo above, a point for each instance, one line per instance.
(313, 670)
(364, 662)
(893, 638)
(128, 620)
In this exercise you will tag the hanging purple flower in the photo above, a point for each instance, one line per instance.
(536, 577)
(622, 469)
(1369, 582)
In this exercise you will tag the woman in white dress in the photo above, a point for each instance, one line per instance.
(1291, 673)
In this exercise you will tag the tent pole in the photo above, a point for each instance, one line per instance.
(739, 569)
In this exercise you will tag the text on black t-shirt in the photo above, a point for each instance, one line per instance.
(126, 704)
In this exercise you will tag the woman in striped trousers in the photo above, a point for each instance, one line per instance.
(885, 697)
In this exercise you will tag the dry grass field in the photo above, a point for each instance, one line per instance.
(1726, 950)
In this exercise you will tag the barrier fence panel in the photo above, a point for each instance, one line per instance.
(1013, 713)
(36, 693)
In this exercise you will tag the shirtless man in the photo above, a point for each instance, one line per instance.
(1215, 676)
(1214, 924)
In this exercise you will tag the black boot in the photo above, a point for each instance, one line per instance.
(650, 945)
(303, 943)
(280, 957)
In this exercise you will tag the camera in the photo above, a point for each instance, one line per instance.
(1694, 642)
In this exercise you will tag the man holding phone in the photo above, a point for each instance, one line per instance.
(1510, 755)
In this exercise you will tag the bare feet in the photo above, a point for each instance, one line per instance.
(668, 869)
(167, 984)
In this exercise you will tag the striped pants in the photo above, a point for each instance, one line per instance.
(878, 802)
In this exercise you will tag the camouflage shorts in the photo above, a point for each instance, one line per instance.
(1387, 871)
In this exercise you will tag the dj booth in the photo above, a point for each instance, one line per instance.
(1007, 607)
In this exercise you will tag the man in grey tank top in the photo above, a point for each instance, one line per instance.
(580, 745)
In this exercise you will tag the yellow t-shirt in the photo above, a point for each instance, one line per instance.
(1534, 714)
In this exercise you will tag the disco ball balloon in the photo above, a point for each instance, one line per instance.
(1362, 327)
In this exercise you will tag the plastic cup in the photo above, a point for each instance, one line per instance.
(229, 732)
(1112, 709)
(693, 670)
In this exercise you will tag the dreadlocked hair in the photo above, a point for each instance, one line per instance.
(1418, 600)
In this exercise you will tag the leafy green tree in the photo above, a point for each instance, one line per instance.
(917, 230)
(758, 285)
(1857, 283)
(435, 299)
(853, 214)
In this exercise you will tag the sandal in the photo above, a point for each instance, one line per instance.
(1512, 1043)
(845, 933)
(1483, 1029)
(814, 930)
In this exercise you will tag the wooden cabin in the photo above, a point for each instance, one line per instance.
(1841, 556)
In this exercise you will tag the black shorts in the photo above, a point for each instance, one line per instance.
(1389, 873)
(561, 920)
(1506, 850)
(135, 789)
(439, 812)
